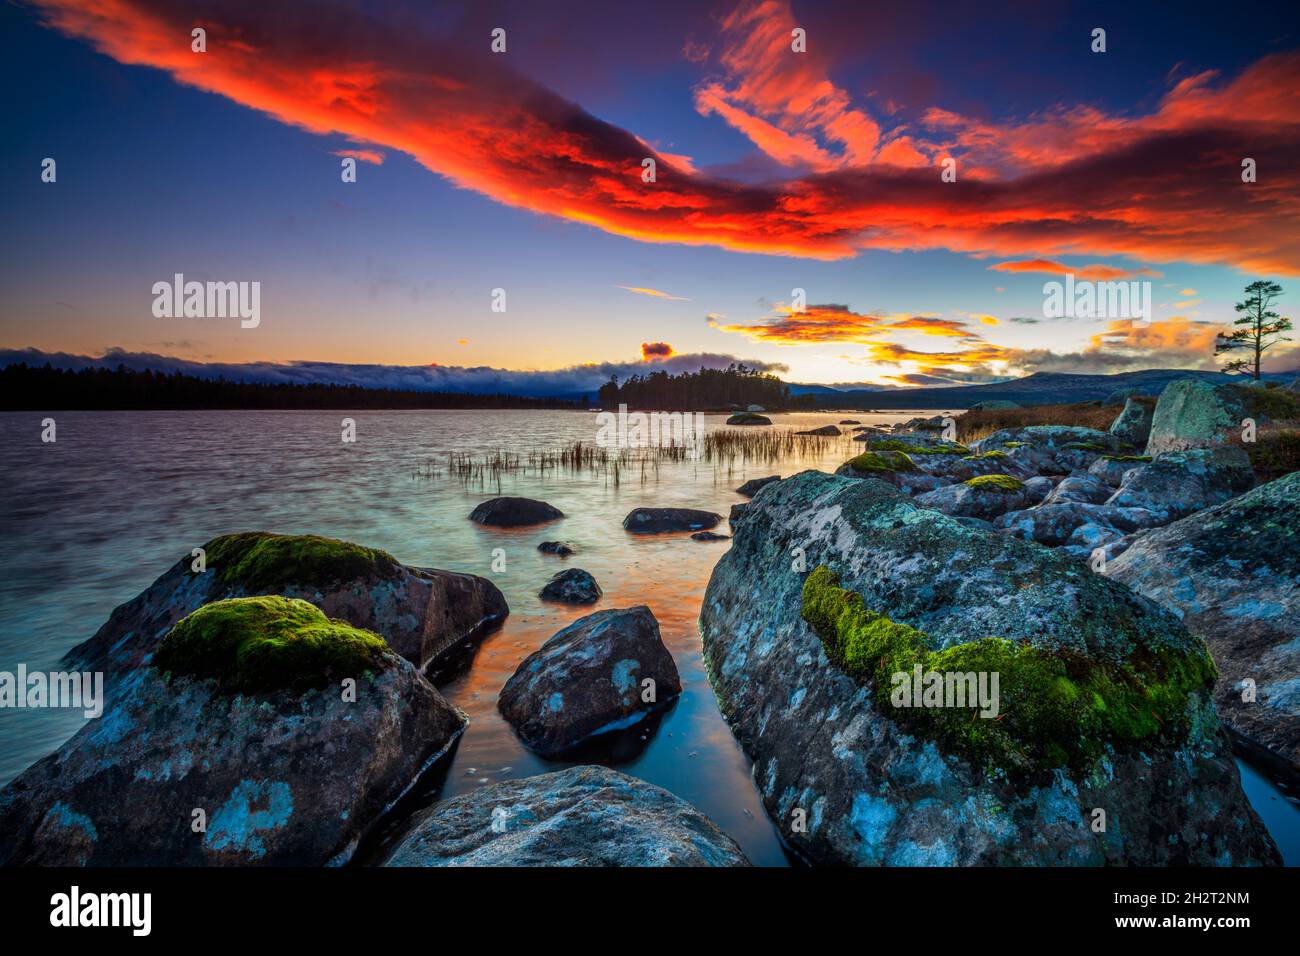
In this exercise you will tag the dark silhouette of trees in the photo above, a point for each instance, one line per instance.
(1263, 328)
(24, 387)
(696, 391)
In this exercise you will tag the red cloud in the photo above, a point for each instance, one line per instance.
(653, 351)
(1073, 182)
(1092, 273)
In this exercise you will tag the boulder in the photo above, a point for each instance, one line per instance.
(1049, 438)
(588, 680)
(894, 467)
(429, 617)
(1112, 468)
(985, 497)
(582, 816)
(249, 725)
(571, 586)
(562, 548)
(1036, 489)
(1232, 572)
(751, 487)
(748, 418)
(513, 512)
(1082, 487)
(1191, 414)
(1174, 484)
(791, 657)
(1054, 525)
(654, 520)
(1120, 396)
(710, 536)
(828, 430)
(1133, 424)
(850, 421)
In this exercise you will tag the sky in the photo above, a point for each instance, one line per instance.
(776, 170)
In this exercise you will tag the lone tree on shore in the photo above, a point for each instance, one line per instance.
(1263, 328)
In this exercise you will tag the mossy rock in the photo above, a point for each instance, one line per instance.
(986, 455)
(262, 561)
(882, 461)
(894, 444)
(1057, 709)
(1127, 457)
(260, 644)
(1016, 444)
(1008, 484)
(1085, 446)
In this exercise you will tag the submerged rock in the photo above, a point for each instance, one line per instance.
(571, 586)
(885, 584)
(1232, 572)
(655, 520)
(425, 615)
(710, 536)
(513, 512)
(829, 431)
(583, 816)
(562, 548)
(604, 672)
(748, 418)
(751, 487)
(252, 726)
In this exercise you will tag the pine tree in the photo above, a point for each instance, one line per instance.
(1263, 328)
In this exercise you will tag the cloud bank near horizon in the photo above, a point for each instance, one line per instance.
(478, 380)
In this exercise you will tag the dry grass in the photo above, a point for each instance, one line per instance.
(980, 424)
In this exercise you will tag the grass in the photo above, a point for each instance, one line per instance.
(1275, 452)
(260, 644)
(1057, 709)
(980, 424)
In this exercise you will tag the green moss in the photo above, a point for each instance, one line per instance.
(986, 455)
(882, 461)
(928, 427)
(1016, 444)
(1007, 483)
(893, 444)
(1057, 709)
(261, 561)
(268, 643)
(1085, 446)
(1127, 457)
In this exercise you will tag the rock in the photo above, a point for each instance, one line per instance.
(1121, 395)
(1232, 572)
(653, 520)
(850, 421)
(883, 784)
(588, 679)
(1036, 489)
(513, 512)
(571, 586)
(751, 487)
(286, 770)
(582, 816)
(1082, 487)
(748, 418)
(1133, 424)
(710, 536)
(1112, 468)
(1092, 535)
(429, 617)
(756, 408)
(895, 467)
(562, 548)
(1175, 484)
(828, 430)
(736, 511)
(993, 404)
(985, 497)
(1191, 414)
(1054, 525)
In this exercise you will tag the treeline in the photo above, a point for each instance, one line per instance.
(697, 391)
(33, 388)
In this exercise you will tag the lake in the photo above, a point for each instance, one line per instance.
(91, 520)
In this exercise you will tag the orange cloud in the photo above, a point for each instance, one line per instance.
(1074, 181)
(653, 293)
(1092, 273)
(653, 351)
(362, 155)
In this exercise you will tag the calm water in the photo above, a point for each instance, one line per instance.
(90, 521)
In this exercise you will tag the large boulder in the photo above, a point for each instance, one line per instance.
(1192, 414)
(582, 816)
(1175, 484)
(1082, 487)
(1056, 524)
(984, 497)
(1232, 572)
(604, 672)
(427, 616)
(247, 719)
(655, 520)
(513, 512)
(898, 468)
(1104, 701)
(1133, 424)
(1112, 468)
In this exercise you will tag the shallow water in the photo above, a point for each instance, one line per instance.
(91, 520)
